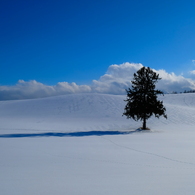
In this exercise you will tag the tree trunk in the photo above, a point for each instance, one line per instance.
(144, 120)
(144, 124)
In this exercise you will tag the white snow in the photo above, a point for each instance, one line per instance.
(81, 144)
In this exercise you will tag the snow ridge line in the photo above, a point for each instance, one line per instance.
(127, 163)
(149, 153)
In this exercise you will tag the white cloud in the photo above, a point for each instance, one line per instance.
(171, 82)
(118, 78)
(192, 72)
(115, 81)
(34, 89)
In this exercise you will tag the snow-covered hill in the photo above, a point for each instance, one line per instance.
(81, 144)
(83, 112)
(68, 113)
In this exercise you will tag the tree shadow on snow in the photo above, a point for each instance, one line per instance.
(70, 134)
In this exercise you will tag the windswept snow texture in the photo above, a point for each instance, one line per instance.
(81, 144)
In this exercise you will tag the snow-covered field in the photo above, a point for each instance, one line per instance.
(81, 144)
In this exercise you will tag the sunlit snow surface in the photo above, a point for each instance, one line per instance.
(81, 144)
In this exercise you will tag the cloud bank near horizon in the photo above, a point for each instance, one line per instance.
(115, 81)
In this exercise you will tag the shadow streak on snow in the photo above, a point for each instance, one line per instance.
(71, 134)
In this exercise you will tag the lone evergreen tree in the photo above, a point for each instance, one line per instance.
(142, 100)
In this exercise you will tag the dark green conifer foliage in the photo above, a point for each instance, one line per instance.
(142, 100)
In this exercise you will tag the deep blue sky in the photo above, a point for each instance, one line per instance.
(75, 41)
